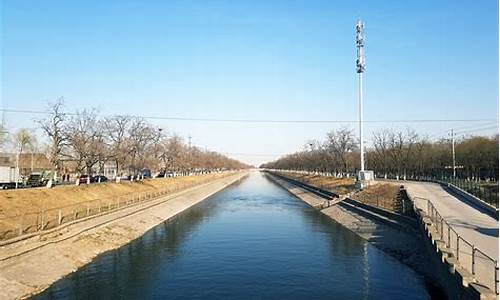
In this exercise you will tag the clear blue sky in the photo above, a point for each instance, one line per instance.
(252, 60)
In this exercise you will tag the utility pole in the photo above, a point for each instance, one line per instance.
(17, 169)
(360, 68)
(189, 137)
(453, 153)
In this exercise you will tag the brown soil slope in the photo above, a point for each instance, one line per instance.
(336, 185)
(16, 202)
(381, 195)
(22, 207)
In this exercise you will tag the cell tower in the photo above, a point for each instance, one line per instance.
(364, 176)
(360, 68)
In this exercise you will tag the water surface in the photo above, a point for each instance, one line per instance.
(251, 241)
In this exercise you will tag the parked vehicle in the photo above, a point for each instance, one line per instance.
(37, 179)
(84, 179)
(8, 177)
(161, 174)
(146, 173)
(98, 178)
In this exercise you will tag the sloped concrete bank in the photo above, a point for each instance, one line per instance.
(30, 266)
(401, 239)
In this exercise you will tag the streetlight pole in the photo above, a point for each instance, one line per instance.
(17, 169)
(453, 153)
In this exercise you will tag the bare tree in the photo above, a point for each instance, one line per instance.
(86, 140)
(116, 131)
(23, 139)
(381, 145)
(3, 136)
(172, 157)
(341, 142)
(53, 127)
(141, 135)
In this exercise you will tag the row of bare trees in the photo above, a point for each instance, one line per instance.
(396, 153)
(131, 144)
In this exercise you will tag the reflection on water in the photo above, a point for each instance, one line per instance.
(250, 241)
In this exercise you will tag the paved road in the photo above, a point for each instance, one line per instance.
(476, 227)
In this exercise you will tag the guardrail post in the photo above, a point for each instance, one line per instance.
(496, 277)
(449, 239)
(458, 247)
(41, 220)
(473, 259)
(441, 228)
(59, 217)
(21, 225)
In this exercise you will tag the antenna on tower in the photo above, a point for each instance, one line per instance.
(360, 44)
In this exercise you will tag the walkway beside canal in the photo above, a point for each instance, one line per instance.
(476, 227)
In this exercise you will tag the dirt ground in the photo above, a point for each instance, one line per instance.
(384, 195)
(21, 208)
(337, 185)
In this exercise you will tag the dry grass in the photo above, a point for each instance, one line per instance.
(337, 185)
(16, 202)
(383, 195)
(22, 207)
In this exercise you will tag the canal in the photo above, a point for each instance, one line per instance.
(251, 241)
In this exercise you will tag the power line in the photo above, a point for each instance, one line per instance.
(474, 126)
(478, 129)
(463, 128)
(269, 120)
(250, 154)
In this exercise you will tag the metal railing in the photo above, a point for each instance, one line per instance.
(488, 195)
(483, 268)
(35, 222)
(473, 187)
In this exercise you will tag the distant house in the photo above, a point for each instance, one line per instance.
(70, 167)
(33, 162)
(28, 162)
(110, 170)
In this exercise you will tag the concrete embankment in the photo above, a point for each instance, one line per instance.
(30, 266)
(395, 235)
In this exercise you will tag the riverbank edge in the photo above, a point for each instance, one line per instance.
(433, 272)
(31, 272)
